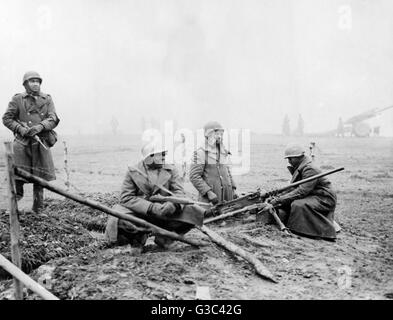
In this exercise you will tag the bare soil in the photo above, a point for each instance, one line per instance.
(359, 265)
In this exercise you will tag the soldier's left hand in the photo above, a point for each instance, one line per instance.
(274, 201)
(168, 208)
(34, 130)
(267, 207)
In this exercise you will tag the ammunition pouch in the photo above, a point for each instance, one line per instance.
(48, 137)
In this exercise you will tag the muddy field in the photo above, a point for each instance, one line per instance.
(359, 265)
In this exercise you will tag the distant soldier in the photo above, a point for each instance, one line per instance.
(308, 209)
(286, 128)
(340, 128)
(141, 182)
(210, 171)
(31, 114)
(300, 126)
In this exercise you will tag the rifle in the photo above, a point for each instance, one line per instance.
(257, 200)
(36, 138)
(173, 199)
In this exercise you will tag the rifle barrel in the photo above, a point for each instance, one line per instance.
(317, 176)
(178, 200)
(270, 193)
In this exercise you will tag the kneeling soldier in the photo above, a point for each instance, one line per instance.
(308, 209)
(151, 176)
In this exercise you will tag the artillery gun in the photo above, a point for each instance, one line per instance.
(357, 126)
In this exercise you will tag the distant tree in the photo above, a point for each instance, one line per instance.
(286, 128)
(300, 126)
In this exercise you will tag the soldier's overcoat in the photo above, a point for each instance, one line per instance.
(312, 204)
(210, 171)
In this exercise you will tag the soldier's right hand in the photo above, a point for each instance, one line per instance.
(163, 209)
(212, 197)
(34, 130)
(22, 130)
(156, 209)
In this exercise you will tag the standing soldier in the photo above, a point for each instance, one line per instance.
(210, 172)
(30, 115)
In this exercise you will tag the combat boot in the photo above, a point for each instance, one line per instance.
(38, 198)
(163, 242)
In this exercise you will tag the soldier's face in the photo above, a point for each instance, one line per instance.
(34, 85)
(218, 135)
(157, 159)
(294, 161)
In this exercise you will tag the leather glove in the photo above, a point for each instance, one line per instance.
(34, 130)
(168, 208)
(212, 197)
(22, 130)
(163, 209)
(155, 208)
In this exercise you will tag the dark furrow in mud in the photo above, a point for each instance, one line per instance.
(60, 230)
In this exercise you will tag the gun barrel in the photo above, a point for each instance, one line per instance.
(178, 200)
(317, 176)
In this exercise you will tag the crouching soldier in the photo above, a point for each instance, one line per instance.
(308, 209)
(151, 176)
(210, 171)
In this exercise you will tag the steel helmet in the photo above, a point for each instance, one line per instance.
(212, 125)
(152, 147)
(31, 75)
(294, 150)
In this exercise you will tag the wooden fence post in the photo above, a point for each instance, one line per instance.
(14, 221)
(67, 183)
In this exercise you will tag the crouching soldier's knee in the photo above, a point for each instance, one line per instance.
(121, 231)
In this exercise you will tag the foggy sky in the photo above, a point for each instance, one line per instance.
(244, 63)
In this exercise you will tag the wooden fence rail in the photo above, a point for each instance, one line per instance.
(25, 279)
